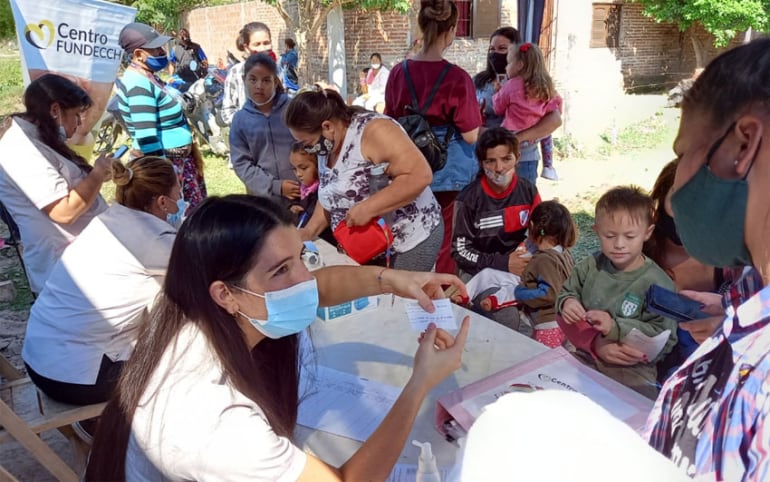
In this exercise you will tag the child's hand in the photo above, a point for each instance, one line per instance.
(290, 189)
(572, 311)
(486, 304)
(518, 260)
(617, 353)
(296, 209)
(600, 320)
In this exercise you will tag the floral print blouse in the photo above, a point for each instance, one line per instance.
(347, 183)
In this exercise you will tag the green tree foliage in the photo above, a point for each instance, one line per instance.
(166, 14)
(721, 18)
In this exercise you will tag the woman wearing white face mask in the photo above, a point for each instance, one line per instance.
(260, 142)
(155, 120)
(376, 80)
(83, 325)
(51, 192)
(212, 389)
(492, 213)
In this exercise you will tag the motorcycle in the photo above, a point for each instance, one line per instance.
(201, 104)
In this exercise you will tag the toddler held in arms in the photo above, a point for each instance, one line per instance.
(603, 299)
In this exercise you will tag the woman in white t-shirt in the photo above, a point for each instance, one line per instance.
(211, 391)
(83, 325)
(51, 192)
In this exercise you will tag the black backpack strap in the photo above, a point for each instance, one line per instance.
(436, 86)
(434, 90)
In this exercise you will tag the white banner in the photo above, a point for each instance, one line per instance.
(77, 39)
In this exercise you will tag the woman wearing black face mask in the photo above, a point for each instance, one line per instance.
(154, 118)
(487, 82)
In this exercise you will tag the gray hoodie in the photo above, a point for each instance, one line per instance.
(259, 148)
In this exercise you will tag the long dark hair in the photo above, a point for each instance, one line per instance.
(40, 95)
(263, 59)
(309, 109)
(487, 75)
(221, 240)
(655, 247)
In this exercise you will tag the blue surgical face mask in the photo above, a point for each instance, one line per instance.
(175, 219)
(289, 310)
(156, 63)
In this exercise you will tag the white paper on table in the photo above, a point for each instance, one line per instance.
(443, 316)
(650, 346)
(408, 473)
(343, 404)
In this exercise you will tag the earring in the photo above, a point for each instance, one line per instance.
(735, 163)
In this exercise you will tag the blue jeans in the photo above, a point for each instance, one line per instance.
(527, 170)
(527, 167)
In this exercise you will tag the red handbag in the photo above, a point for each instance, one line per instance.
(363, 243)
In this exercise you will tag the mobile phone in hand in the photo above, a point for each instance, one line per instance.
(672, 305)
(120, 152)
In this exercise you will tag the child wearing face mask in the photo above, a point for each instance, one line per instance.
(492, 213)
(525, 98)
(254, 37)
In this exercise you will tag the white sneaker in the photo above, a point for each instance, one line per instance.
(549, 173)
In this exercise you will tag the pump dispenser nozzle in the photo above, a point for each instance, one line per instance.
(427, 471)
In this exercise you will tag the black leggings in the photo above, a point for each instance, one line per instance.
(76, 394)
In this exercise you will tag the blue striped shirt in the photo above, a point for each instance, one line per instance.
(154, 118)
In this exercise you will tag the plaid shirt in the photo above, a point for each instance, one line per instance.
(235, 92)
(736, 439)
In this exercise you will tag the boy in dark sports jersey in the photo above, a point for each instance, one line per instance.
(492, 213)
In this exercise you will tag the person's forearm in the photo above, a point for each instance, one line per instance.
(544, 128)
(377, 456)
(68, 209)
(317, 222)
(338, 284)
(400, 192)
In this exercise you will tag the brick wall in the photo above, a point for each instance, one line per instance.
(216, 28)
(657, 53)
(388, 33)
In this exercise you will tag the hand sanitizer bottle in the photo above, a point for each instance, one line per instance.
(427, 471)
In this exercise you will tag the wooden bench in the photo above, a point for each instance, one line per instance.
(26, 412)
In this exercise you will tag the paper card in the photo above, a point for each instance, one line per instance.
(443, 316)
(650, 346)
